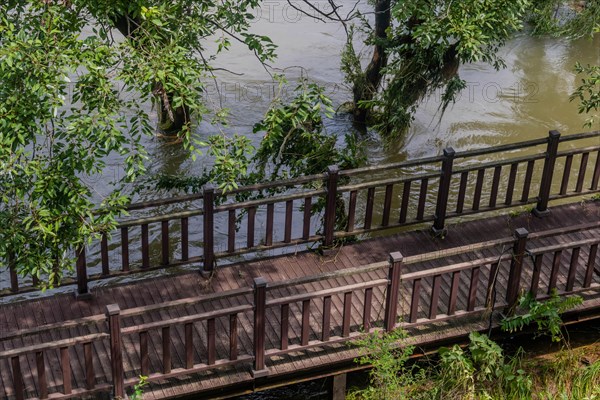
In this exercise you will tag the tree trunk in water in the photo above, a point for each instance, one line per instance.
(378, 61)
(170, 120)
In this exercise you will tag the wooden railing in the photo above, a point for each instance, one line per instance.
(251, 326)
(277, 215)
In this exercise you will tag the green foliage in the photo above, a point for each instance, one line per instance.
(73, 94)
(484, 372)
(426, 42)
(390, 377)
(573, 18)
(588, 93)
(295, 142)
(138, 389)
(546, 315)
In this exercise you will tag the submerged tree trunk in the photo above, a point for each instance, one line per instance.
(373, 73)
(170, 120)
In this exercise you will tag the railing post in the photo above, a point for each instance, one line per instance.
(332, 183)
(541, 209)
(441, 206)
(393, 286)
(516, 265)
(83, 292)
(209, 222)
(116, 356)
(260, 300)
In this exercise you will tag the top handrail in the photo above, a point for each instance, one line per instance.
(356, 171)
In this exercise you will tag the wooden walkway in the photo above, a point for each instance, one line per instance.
(436, 304)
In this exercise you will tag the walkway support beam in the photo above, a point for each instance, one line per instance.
(541, 209)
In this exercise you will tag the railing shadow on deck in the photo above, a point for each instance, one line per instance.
(278, 215)
(252, 326)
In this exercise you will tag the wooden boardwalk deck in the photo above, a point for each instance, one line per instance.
(305, 324)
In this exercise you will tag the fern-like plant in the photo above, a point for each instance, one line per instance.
(546, 314)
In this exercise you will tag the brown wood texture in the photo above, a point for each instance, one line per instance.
(330, 317)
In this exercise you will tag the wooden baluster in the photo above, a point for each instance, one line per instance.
(566, 175)
(572, 269)
(392, 291)
(144, 359)
(285, 325)
(145, 247)
(251, 223)
(233, 337)
(208, 196)
(596, 176)
(478, 189)
(90, 377)
(211, 345)
(582, 170)
(369, 208)
(414, 302)
(260, 298)
(289, 211)
(453, 292)
(306, 219)
(462, 191)
(305, 322)
(495, 185)
(326, 319)
(17, 378)
(591, 263)
(541, 208)
(124, 249)
(116, 355)
(535, 278)
(166, 349)
(555, 270)
(367, 309)
(351, 211)
(422, 199)
(189, 345)
(347, 317)
(164, 230)
(82, 278)
(185, 247)
(405, 201)
(14, 278)
(516, 266)
(104, 254)
(510, 187)
(435, 296)
(231, 231)
(65, 364)
(330, 204)
(527, 181)
(41, 374)
(443, 192)
(473, 289)
(387, 205)
(269, 233)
